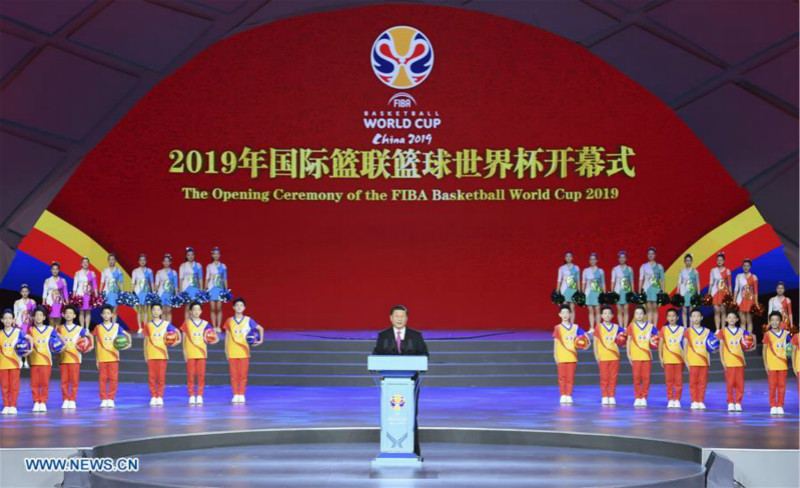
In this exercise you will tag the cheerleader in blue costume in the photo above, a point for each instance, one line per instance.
(216, 283)
(111, 283)
(142, 280)
(569, 278)
(651, 281)
(594, 282)
(166, 286)
(190, 275)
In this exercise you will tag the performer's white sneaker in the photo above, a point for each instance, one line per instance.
(65, 405)
(780, 411)
(731, 407)
(192, 400)
(701, 405)
(773, 410)
(235, 399)
(241, 398)
(72, 405)
(612, 401)
(676, 404)
(738, 407)
(160, 402)
(42, 407)
(604, 401)
(153, 401)
(199, 400)
(671, 404)
(694, 406)
(12, 411)
(110, 403)
(5, 410)
(643, 402)
(569, 399)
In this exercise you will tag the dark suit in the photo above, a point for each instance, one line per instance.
(412, 345)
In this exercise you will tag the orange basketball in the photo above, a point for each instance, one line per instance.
(582, 342)
(209, 336)
(170, 338)
(654, 341)
(83, 344)
(621, 339)
(748, 342)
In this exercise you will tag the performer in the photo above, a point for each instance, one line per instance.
(55, 294)
(670, 355)
(237, 350)
(399, 339)
(697, 359)
(688, 286)
(190, 274)
(23, 315)
(569, 278)
(732, 359)
(782, 304)
(195, 352)
(651, 281)
(10, 363)
(719, 285)
(775, 362)
(594, 283)
(746, 292)
(622, 283)
(41, 359)
(84, 285)
(566, 353)
(111, 284)
(156, 355)
(142, 280)
(216, 283)
(107, 357)
(166, 286)
(606, 352)
(69, 361)
(638, 348)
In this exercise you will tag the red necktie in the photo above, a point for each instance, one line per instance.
(399, 342)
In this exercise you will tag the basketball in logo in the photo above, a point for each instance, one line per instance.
(402, 57)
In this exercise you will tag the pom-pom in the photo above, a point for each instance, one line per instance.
(579, 298)
(662, 298)
(697, 300)
(152, 299)
(708, 300)
(98, 300)
(47, 308)
(127, 299)
(641, 298)
(728, 302)
(556, 297)
(226, 296)
(632, 297)
(612, 298)
(758, 309)
(202, 296)
(677, 300)
(179, 299)
(76, 300)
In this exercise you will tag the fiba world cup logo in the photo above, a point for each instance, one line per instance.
(402, 57)
(397, 402)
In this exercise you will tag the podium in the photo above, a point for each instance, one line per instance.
(398, 408)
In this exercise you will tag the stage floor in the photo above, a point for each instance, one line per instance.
(498, 407)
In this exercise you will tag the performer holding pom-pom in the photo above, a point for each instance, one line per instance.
(565, 352)
(688, 286)
(640, 337)
(719, 286)
(10, 362)
(111, 284)
(55, 294)
(216, 284)
(622, 284)
(23, 314)
(143, 284)
(166, 286)
(237, 347)
(84, 286)
(568, 283)
(190, 275)
(651, 282)
(594, 283)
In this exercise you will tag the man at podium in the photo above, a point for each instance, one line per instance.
(399, 339)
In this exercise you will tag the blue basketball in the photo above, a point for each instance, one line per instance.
(22, 347)
(253, 336)
(712, 344)
(56, 344)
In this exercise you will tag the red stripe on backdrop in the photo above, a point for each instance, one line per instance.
(47, 249)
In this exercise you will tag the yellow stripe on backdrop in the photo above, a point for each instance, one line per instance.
(83, 245)
(717, 239)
